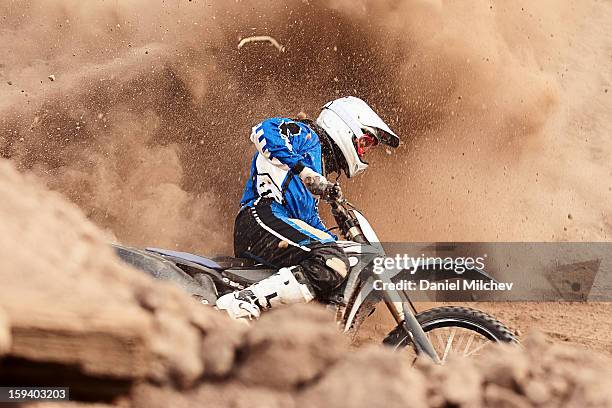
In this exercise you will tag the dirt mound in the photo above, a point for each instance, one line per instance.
(69, 301)
(72, 315)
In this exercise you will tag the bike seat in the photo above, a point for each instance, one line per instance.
(248, 275)
(219, 263)
(226, 262)
(200, 260)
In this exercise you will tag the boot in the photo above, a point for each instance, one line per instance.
(280, 288)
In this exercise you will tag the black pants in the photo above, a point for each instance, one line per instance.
(264, 233)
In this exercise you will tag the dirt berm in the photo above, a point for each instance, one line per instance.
(72, 315)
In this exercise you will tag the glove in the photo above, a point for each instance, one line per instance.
(316, 183)
(332, 192)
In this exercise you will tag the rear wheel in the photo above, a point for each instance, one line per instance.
(454, 330)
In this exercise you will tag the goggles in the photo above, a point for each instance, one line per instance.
(365, 143)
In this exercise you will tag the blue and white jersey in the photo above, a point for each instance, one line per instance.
(284, 148)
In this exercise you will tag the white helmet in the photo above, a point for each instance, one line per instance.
(349, 119)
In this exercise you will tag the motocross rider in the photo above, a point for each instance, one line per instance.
(278, 223)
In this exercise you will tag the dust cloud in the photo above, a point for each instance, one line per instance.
(503, 110)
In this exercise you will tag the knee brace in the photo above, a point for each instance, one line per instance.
(325, 268)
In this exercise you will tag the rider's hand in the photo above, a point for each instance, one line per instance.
(316, 183)
(332, 192)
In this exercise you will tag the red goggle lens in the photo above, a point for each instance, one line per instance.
(364, 143)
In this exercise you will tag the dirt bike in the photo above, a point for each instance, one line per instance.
(435, 332)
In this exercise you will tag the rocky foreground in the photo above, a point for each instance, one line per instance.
(72, 315)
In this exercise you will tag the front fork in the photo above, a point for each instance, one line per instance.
(402, 312)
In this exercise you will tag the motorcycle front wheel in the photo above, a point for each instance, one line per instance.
(454, 330)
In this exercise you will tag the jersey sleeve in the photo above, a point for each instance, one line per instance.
(272, 139)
